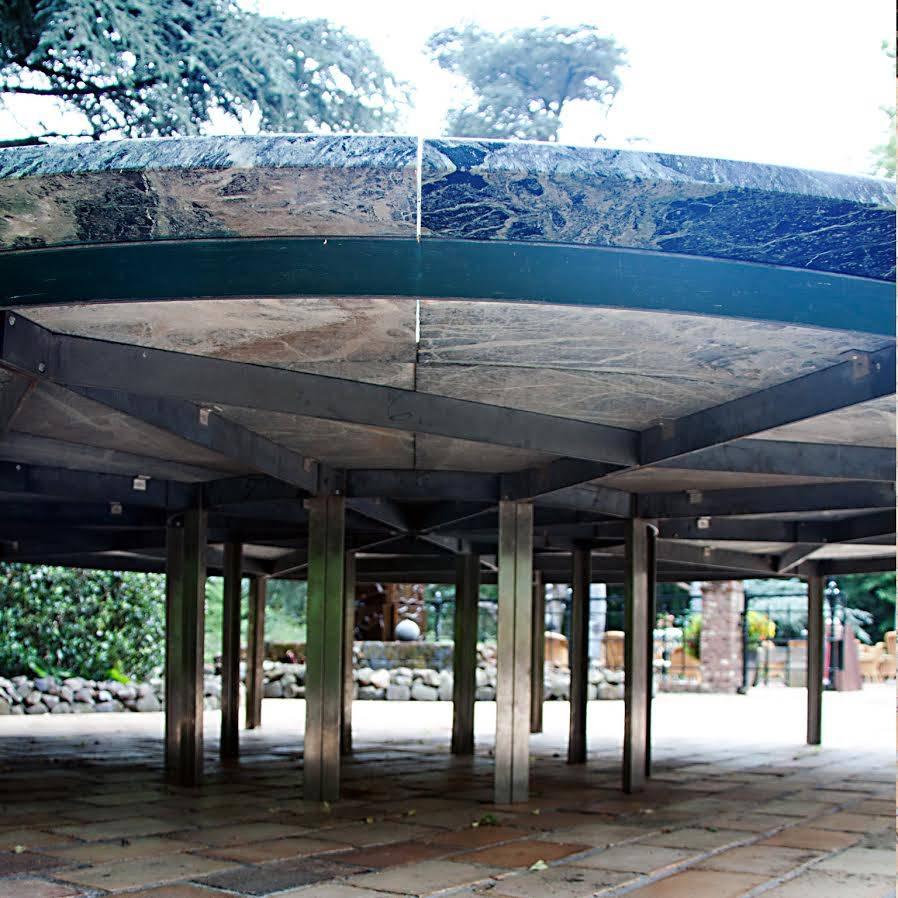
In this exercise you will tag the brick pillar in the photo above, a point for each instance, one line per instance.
(721, 644)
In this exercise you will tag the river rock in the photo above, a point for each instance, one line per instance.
(397, 693)
(5, 707)
(84, 696)
(380, 679)
(273, 690)
(148, 702)
(39, 708)
(421, 692)
(51, 701)
(61, 708)
(445, 687)
(33, 698)
(485, 694)
(363, 676)
(371, 693)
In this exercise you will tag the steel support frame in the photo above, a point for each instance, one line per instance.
(637, 657)
(255, 653)
(512, 774)
(538, 654)
(579, 655)
(185, 605)
(349, 581)
(464, 652)
(324, 648)
(816, 640)
(229, 744)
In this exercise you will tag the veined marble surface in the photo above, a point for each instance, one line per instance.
(357, 185)
(491, 190)
(274, 186)
(612, 366)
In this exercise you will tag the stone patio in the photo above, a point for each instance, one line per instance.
(737, 806)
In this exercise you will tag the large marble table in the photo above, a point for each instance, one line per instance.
(629, 290)
(454, 359)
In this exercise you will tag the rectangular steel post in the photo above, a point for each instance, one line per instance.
(636, 683)
(185, 601)
(512, 777)
(538, 654)
(652, 617)
(324, 648)
(816, 630)
(464, 652)
(579, 656)
(348, 642)
(255, 652)
(229, 746)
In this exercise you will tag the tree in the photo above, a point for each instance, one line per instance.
(873, 594)
(523, 79)
(884, 154)
(142, 68)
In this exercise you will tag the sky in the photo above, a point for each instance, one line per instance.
(792, 82)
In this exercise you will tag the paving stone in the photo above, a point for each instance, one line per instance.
(834, 885)
(599, 835)
(700, 884)
(423, 878)
(333, 890)
(258, 852)
(477, 836)
(117, 829)
(143, 871)
(393, 854)
(184, 890)
(120, 850)
(748, 858)
(856, 823)
(522, 853)
(278, 876)
(35, 888)
(636, 858)
(814, 839)
(698, 839)
(241, 834)
(12, 862)
(559, 882)
(861, 860)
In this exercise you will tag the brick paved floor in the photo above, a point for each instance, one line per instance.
(737, 807)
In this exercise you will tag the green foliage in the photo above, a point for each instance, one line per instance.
(63, 621)
(692, 636)
(760, 628)
(873, 595)
(524, 78)
(138, 68)
(884, 154)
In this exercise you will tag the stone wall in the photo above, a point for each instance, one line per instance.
(721, 641)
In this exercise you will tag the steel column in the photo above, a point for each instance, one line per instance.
(324, 648)
(514, 639)
(348, 642)
(255, 653)
(538, 654)
(636, 660)
(579, 656)
(229, 746)
(816, 630)
(185, 605)
(464, 652)
(652, 617)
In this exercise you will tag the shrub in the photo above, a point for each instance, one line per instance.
(63, 621)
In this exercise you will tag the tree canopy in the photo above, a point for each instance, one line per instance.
(522, 80)
(884, 154)
(139, 68)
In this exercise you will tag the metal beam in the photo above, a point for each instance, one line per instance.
(816, 641)
(512, 774)
(538, 654)
(767, 500)
(793, 557)
(229, 745)
(185, 591)
(579, 656)
(86, 362)
(209, 428)
(255, 653)
(13, 393)
(464, 652)
(864, 377)
(349, 581)
(324, 648)
(590, 498)
(556, 475)
(478, 270)
(637, 687)
(793, 459)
